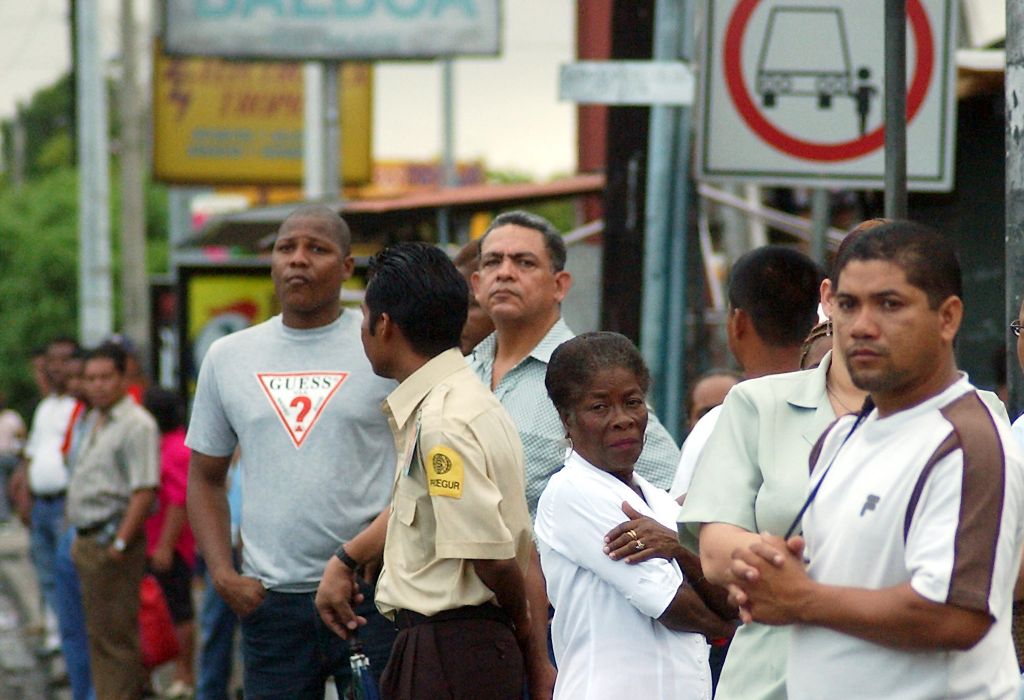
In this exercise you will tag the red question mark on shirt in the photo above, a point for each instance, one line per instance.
(306, 404)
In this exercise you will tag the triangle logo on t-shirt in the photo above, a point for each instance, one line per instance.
(299, 398)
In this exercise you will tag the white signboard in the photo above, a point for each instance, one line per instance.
(627, 83)
(332, 29)
(793, 93)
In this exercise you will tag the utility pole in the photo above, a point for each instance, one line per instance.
(95, 308)
(663, 314)
(1014, 193)
(313, 136)
(321, 133)
(134, 286)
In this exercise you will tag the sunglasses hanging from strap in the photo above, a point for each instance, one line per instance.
(868, 406)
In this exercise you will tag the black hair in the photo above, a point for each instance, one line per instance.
(333, 223)
(63, 340)
(553, 241)
(926, 258)
(574, 363)
(778, 288)
(166, 406)
(110, 351)
(418, 287)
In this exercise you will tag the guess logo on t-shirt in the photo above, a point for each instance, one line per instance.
(299, 398)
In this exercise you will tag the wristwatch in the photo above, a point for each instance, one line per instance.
(120, 545)
(345, 559)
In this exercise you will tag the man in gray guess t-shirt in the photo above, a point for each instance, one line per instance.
(298, 397)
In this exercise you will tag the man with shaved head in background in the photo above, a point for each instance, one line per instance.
(297, 395)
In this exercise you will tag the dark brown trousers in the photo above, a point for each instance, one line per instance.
(457, 659)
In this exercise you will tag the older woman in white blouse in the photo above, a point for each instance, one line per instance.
(618, 631)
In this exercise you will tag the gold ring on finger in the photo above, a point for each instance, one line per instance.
(632, 534)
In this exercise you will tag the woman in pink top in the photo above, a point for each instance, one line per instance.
(170, 545)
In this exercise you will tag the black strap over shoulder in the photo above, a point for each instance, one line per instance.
(868, 406)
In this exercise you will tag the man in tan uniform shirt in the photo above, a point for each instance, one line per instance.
(458, 534)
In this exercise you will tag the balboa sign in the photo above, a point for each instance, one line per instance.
(331, 29)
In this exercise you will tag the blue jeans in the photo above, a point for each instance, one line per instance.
(289, 652)
(217, 623)
(47, 528)
(74, 640)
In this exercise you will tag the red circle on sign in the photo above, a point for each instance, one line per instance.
(810, 150)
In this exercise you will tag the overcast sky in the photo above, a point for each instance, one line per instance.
(35, 48)
(507, 110)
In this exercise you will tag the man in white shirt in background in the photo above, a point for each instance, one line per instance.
(48, 476)
(764, 335)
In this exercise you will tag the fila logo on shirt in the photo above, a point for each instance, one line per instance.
(869, 503)
(299, 398)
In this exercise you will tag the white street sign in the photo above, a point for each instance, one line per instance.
(332, 29)
(792, 93)
(627, 83)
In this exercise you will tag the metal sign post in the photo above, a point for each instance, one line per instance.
(895, 109)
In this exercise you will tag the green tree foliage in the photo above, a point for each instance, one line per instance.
(39, 238)
(39, 268)
(38, 275)
(47, 114)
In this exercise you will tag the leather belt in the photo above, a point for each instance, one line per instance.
(49, 497)
(404, 619)
(90, 530)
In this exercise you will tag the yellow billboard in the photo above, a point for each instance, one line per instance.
(218, 122)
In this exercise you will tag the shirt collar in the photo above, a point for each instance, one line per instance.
(808, 394)
(402, 402)
(560, 332)
(574, 460)
(118, 410)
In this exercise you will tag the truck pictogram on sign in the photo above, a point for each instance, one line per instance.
(788, 66)
(792, 92)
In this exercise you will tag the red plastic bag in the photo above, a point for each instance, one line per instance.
(156, 629)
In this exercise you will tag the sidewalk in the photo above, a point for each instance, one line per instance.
(23, 674)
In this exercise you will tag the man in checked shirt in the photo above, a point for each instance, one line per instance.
(521, 282)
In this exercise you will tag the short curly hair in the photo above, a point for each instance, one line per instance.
(574, 363)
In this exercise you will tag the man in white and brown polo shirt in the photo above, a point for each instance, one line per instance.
(901, 586)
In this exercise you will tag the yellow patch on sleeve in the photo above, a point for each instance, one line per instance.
(444, 472)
